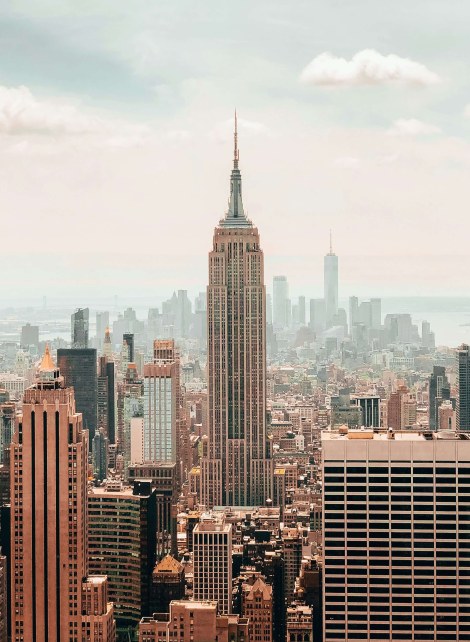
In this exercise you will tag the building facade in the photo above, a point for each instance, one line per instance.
(463, 387)
(212, 559)
(396, 536)
(79, 369)
(48, 500)
(237, 465)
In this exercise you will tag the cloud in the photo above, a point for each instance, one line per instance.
(412, 127)
(367, 67)
(22, 113)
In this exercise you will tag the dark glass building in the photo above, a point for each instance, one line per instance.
(78, 367)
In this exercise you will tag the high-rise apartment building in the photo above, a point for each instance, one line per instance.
(212, 562)
(122, 545)
(48, 524)
(80, 321)
(79, 369)
(330, 273)
(237, 466)
(396, 531)
(280, 302)
(401, 409)
(161, 403)
(463, 387)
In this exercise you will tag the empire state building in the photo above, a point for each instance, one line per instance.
(237, 463)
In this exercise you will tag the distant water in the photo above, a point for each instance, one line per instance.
(449, 316)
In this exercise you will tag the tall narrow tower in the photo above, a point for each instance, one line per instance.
(48, 508)
(331, 285)
(237, 464)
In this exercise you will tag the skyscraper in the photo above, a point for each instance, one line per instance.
(331, 286)
(102, 323)
(212, 555)
(463, 387)
(48, 525)
(237, 464)
(439, 389)
(161, 395)
(280, 302)
(78, 367)
(395, 537)
(80, 328)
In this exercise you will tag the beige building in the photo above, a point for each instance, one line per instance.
(237, 465)
(98, 623)
(396, 536)
(49, 464)
(212, 562)
(257, 608)
(190, 621)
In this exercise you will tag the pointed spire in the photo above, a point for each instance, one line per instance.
(47, 364)
(236, 153)
(331, 242)
(235, 216)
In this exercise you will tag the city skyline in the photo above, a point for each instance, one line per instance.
(367, 146)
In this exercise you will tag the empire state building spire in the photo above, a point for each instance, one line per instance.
(235, 216)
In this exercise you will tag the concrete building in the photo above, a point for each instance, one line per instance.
(98, 623)
(48, 508)
(292, 552)
(29, 336)
(191, 621)
(79, 369)
(162, 476)
(161, 380)
(168, 584)
(401, 412)
(257, 608)
(212, 560)
(299, 623)
(122, 545)
(237, 466)
(395, 555)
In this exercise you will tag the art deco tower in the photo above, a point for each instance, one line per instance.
(237, 465)
(48, 509)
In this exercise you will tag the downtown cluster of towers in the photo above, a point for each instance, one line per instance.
(395, 556)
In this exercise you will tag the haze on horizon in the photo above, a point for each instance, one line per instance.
(115, 143)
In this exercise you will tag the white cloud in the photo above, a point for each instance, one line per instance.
(412, 127)
(367, 67)
(22, 113)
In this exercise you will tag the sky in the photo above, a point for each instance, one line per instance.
(116, 126)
